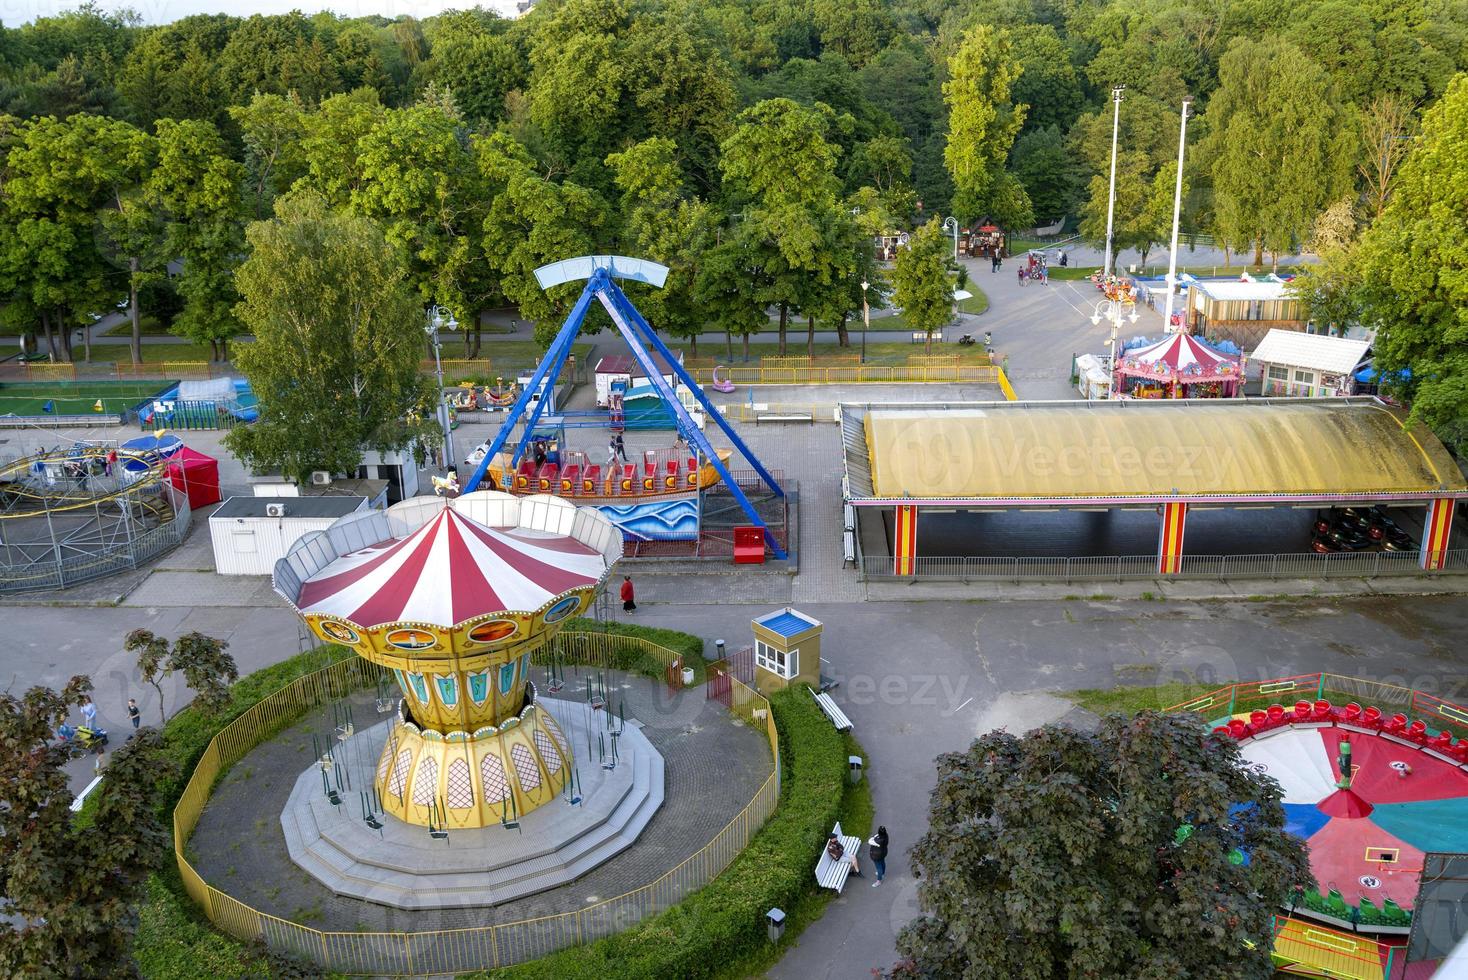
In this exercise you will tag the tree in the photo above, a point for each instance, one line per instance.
(1109, 854)
(1052, 178)
(271, 128)
(338, 338)
(1413, 262)
(730, 288)
(779, 158)
(70, 890)
(203, 660)
(1279, 146)
(982, 122)
(921, 277)
(1386, 125)
(199, 190)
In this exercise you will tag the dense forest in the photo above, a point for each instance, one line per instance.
(755, 146)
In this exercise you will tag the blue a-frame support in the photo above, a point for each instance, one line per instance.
(601, 273)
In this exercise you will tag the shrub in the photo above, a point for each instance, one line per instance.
(631, 658)
(724, 921)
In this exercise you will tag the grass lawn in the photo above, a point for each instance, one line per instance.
(152, 353)
(1130, 700)
(150, 326)
(975, 304)
(75, 398)
(525, 352)
(886, 353)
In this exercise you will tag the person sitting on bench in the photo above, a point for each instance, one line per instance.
(837, 852)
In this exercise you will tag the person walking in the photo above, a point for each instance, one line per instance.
(628, 605)
(89, 712)
(877, 851)
(621, 447)
(133, 713)
(611, 454)
(994, 261)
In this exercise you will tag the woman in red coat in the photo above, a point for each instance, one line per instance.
(627, 604)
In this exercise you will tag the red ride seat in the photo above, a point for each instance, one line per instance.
(1322, 710)
(629, 474)
(1417, 731)
(1397, 723)
(549, 476)
(1442, 741)
(1303, 710)
(1237, 728)
(524, 474)
(1353, 711)
(1258, 718)
(1276, 714)
(592, 481)
(692, 468)
(571, 479)
(1371, 716)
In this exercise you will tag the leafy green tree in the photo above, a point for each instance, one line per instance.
(854, 29)
(923, 285)
(479, 66)
(271, 129)
(330, 148)
(660, 221)
(203, 660)
(1065, 853)
(1048, 84)
(278, 55)
(982, 120)
(171, 72)
(338, 340)
(532, 221)
(779, 159)
(70, 890)
(199, 191)
(1280, 146)
(730, 289)
(1413, 263)
(1052, 177)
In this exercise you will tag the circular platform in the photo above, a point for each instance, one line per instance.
(404, 866)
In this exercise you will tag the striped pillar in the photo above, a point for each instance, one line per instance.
(1170, 540)
(904, 540)
(1437, 528)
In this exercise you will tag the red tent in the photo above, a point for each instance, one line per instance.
(196, 475)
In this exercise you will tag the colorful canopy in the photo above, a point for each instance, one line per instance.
(1179, 356)
(1367, 840)
(448, 571)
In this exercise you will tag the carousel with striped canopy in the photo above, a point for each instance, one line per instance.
(454, 596)
(1180, 366)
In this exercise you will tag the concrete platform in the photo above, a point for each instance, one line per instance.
(402, 866)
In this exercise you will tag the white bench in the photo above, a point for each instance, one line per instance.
(833, 712)
(919, 336)
(833, 874)
(787, 417)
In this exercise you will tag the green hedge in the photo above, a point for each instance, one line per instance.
(723, 923)
(631, 658)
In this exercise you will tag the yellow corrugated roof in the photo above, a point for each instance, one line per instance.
(1139, 448)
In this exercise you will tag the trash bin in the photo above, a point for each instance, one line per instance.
(853, 768)
(687, 676)
(775, 924)
(718, 649)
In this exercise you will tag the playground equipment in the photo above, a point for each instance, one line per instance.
(79, 513)
(720, 384)
(453, 596)
(675, 478)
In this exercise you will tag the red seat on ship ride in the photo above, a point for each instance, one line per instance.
(1396, 724)
(1442, 741)
(1276, 714)
(1371, 716)
(1303, 710)
(1460, 750)
(1322, 710)
(592, 481)
(549, 476)
(1258, 719)
(692, 467)
(629, 474)
(524, 474)
(571, 479)
(1223, 730)
(1238, 728)
(1417, 731)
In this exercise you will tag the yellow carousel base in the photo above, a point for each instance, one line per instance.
(479, 779)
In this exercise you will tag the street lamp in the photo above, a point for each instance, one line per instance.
(1111, 195)
(437, 318)
(1177, 210)
(866, 319)
(1112, 311)
(954, 231)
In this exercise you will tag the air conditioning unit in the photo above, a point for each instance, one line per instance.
(275, 510)
(320, 478)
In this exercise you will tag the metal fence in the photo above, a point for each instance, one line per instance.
(113, 371)
(454, 950)
(822, 372)
(1369, 564)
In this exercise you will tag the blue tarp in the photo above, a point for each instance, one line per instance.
(1370, 375)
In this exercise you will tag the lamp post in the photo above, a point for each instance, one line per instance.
(1177, 210)
(950, 220)
(1111, 197)
(1112, 311)
(438, 317)
(866, 319)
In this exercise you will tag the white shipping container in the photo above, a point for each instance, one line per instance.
(249, 542)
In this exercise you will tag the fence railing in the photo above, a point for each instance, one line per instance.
(1249, 696)
(823, 373)
(114, 371)
(1372, 564)
(454, 950)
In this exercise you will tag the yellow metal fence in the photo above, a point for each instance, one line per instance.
(823, 373)
(455, 950)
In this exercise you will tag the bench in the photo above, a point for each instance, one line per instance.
(787, 417)
(833, 712)
(833, 874)
(919, 336)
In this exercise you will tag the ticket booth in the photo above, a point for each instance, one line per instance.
(787, 649)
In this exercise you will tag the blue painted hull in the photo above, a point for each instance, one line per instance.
(655, 520)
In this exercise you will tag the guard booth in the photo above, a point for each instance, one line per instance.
(787, 650)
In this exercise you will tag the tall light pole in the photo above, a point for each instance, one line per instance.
(1111, 310)
(1111, 198)
(437, 318)
(1177, 210)
(954, 222)
(866, 320)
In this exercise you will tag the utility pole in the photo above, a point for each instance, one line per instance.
(1177, 210)
(1111, 198)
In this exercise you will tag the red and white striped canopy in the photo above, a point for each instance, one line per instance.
(1180, 354)
(450, 570)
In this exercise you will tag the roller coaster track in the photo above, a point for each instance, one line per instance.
(19, 483)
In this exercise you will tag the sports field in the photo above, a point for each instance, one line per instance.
(28, 398)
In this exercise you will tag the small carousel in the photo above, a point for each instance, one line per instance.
(453, 596)
(1181, 366)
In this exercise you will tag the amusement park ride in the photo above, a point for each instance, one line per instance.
(659, 495)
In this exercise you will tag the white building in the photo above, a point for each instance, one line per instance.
(250, 534)
(1308, 365)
